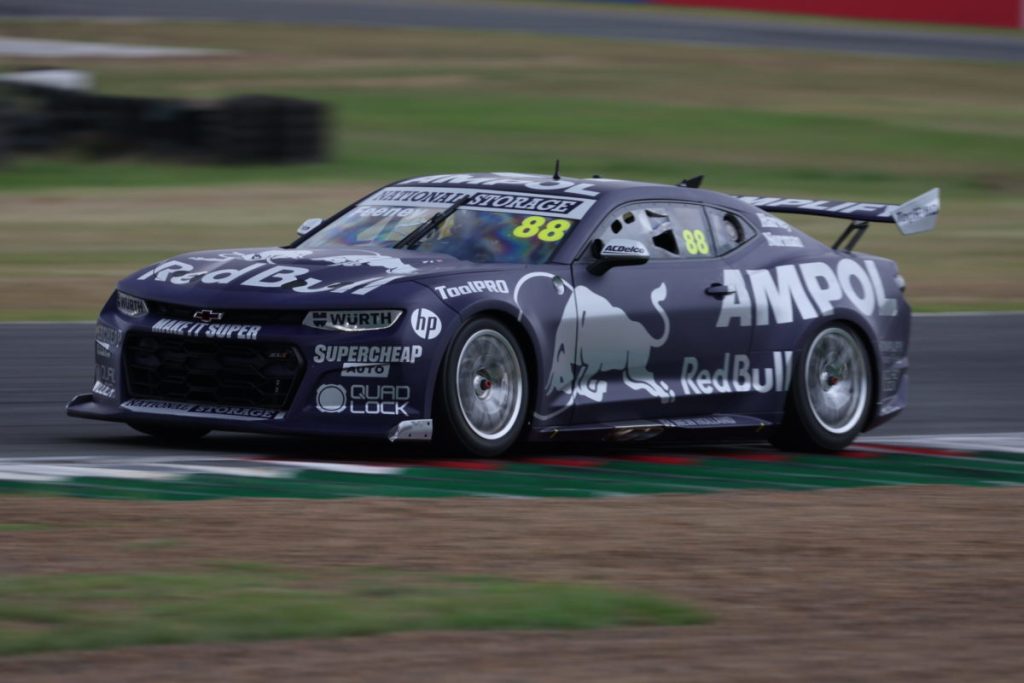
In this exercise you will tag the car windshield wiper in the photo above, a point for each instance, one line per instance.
(431, 223)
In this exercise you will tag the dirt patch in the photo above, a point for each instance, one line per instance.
(917, 583)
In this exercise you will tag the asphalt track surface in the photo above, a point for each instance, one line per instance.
(584, 21)
(966, 375)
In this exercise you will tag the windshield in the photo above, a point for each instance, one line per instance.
(474, 232)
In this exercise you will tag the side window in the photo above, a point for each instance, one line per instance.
(692, 230)
(728, 229)
(667, 229)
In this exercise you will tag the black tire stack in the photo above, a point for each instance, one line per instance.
(239, 130)
(263, 129)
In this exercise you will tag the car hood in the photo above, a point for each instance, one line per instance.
(276, 276)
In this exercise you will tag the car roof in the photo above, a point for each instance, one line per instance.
(613, 190)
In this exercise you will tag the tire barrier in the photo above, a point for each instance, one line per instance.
(241, 130)
(6, 118)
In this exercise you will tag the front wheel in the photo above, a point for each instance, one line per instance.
(483, 389)
(829, 399)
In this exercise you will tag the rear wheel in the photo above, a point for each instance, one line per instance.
(831, 392)
(169, 433)
(484, 389)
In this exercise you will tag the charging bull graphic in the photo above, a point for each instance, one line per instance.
(595, 336)
(390, 264)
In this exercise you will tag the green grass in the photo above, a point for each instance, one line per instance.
(407, 102)
(16, 527)
(251, 602)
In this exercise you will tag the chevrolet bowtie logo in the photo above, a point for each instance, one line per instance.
(207, 316)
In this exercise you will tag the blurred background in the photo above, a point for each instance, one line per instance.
(161, 128)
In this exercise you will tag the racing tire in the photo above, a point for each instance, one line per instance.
(171, 433)
(483, 390)
(830, 398)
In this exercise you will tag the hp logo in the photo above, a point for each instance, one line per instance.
(425, 323)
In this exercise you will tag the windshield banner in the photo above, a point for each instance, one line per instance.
(483, 200)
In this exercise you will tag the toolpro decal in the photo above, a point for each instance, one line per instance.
(783, 294)
(737, 375)
(185, 328)
(425, 323)
(325, 353)
(472, 287)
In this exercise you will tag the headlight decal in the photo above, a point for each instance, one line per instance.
(131, 306)
(352, 321)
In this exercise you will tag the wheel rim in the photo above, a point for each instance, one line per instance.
(489, 384)
(836, 379)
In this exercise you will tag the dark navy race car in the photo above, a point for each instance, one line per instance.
(481, 309)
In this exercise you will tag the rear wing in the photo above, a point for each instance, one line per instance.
(916, 215)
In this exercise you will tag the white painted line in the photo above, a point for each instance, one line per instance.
(1010, 442)
(260, 472)
(6, 475)
(338, 467)
(68, 471)
(74, 49)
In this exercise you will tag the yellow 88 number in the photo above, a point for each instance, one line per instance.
(542, 229)
(696, 242)
(529, 227)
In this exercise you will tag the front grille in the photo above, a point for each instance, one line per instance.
(238, 316)
(261, 375)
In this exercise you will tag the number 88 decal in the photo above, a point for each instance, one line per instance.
(542, 229)
(696, 242)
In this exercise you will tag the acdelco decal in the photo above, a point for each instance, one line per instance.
(761, 297)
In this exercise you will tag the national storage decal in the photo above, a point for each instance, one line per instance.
(482, 200)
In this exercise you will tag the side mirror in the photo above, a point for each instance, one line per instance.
(617, 252)
(309, 224)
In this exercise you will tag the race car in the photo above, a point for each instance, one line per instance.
(481, 309)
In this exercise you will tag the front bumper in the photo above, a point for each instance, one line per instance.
(372, 384)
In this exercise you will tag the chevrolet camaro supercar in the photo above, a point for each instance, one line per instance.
(485, 308)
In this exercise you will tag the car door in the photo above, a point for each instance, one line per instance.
(647, 343)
